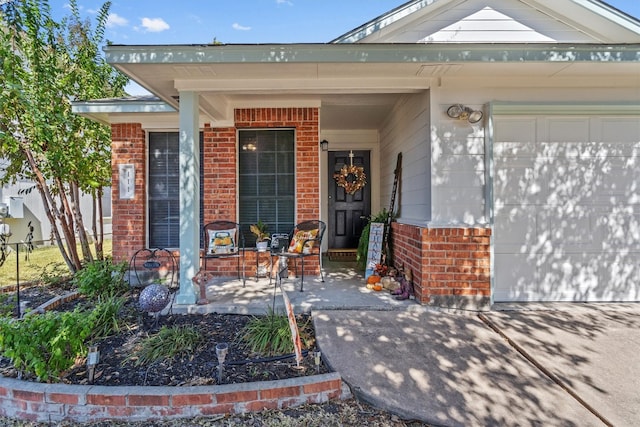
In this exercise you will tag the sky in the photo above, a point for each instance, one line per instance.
(148, 22)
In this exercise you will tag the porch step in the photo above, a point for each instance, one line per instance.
(342, 254)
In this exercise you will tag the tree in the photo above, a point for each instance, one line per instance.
(45, 66)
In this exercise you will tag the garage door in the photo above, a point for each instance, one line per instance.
(566, 208)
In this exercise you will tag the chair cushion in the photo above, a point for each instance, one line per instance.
(299, 236)
(222, 242)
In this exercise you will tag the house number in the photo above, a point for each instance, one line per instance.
(127, 177)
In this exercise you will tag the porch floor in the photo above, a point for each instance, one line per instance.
(343, 289)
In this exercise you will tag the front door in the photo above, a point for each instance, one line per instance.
(348, 213)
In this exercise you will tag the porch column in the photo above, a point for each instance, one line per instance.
(189, 196)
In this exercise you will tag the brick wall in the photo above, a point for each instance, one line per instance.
(450, 266)
(305, 123)
(53, 403)
(128, 146)
(220, 179)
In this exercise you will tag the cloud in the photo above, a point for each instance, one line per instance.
(239, 27)
(154, 25)
(115, 20)
(279, 2)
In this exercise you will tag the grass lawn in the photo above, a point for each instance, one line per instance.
(43, 263)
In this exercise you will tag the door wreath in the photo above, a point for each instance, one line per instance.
(352, 178)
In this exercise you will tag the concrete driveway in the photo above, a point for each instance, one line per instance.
(560, 365)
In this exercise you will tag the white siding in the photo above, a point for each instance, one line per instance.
(485, 21)
(407, 131)
(34, 212)
(457, 171)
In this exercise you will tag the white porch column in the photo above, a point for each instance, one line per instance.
(189, 196)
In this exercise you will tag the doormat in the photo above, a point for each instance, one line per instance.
(342, 254)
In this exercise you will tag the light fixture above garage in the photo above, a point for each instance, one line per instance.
(461, 112)
(324, 145)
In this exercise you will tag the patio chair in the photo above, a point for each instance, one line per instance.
(305, 240)
(223, 239)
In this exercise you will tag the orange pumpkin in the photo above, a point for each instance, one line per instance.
(373, 279)
(377, 287)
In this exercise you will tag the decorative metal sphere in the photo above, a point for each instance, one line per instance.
(154, 298)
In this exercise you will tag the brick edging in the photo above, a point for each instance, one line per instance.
(38, 402)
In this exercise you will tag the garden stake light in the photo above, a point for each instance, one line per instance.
(316, 359)
(221, 352)
(92, 360)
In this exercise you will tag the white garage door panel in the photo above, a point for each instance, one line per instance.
(589, 277)
(519, 183)
(520, 282)
(567, 209)
(569, 229)
(618, 130)
(518, 227)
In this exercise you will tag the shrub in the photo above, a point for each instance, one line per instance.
(176, 341)
(101, 278)
(45, 344)
(7, 307)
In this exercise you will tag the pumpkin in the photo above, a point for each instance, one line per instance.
(377, 287)
(373, 279)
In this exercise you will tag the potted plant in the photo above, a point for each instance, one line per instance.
(259, 229)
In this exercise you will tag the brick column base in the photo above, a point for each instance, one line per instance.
(450, 266)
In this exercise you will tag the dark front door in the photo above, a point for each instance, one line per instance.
(348, 213)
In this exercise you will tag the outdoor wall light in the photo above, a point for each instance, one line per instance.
(324, 145)
(460, 112)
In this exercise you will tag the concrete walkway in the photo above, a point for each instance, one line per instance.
(547, 364)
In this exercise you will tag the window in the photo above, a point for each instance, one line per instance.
(267, 180)
(164, 189)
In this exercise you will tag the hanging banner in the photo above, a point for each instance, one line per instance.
(374, 252)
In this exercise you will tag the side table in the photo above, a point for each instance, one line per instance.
(267, 273)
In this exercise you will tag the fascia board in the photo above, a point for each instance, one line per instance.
(382, 22)
(608, 12)
(120, 55)
(121, 106)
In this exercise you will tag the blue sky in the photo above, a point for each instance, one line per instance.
(244, 21)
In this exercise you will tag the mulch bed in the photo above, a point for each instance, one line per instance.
(117, 367)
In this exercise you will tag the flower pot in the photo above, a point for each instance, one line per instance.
(262, 246)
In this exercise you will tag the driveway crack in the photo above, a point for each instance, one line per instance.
(544, 370)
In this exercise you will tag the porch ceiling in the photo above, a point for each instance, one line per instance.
(357, 85)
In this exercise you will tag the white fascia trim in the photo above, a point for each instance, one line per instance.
(120, 55)
(383, 21)
(121, 106)
(612, 14)
(590, 108)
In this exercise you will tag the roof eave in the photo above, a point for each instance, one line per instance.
(101, 109)
(123, 55)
